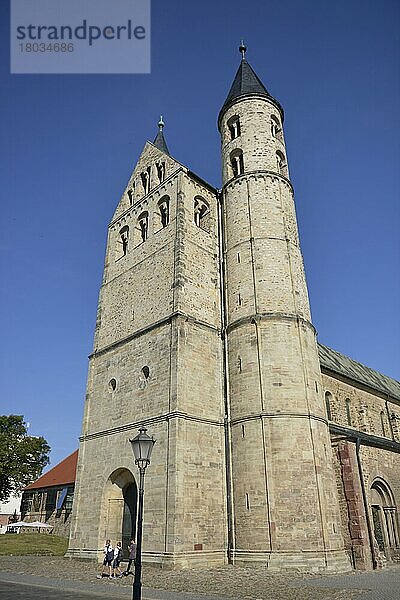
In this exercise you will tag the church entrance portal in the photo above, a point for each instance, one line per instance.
(119, 509)
(384, 518)
(129, 516)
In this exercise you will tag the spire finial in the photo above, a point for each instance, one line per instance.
(242, 49)
(161, 123)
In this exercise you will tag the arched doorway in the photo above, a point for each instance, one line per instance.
(384, 518)
(119, 512)
(129, 516)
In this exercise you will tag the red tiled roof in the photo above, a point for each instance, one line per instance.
(63, 473)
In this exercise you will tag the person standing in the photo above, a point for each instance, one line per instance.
(108, 559)
(131, 558)
(117, 560)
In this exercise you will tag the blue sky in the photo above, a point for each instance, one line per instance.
(69, 142)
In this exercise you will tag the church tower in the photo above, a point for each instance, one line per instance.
(285, 506)
(204, 336)
(156, 363)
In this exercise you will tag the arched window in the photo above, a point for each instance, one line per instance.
(122, 242)
(163, 207)
(281, 163)
(234, 127)
(395, 425)
(348, 412)
(143, 222)
(328, 401)
(130, 193)
(384, 516)
(145, 177)
(201, 214)
(237, 162)
(276, 128)
(383, 423)
(160, 171)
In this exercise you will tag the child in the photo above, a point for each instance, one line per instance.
(108, 558)
(117, 560)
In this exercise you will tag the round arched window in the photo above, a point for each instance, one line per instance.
(112, 384)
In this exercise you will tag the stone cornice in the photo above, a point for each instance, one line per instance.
(275, 316)
(155, 325)
(151, 421)
(280, 415)
(250, 96)
(266, 173)
(258, 238)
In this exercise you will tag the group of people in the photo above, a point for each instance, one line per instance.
(113, 558)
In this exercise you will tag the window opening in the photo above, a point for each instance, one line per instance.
(383, 423)
(164, 211)
(234, 127)
(144, 226)
(202, 214)
(123, 241)
(160, 171)
(276, 128)
(281, 163)
(328, 400)
(348, 412)
(145, 176)
(237, 162)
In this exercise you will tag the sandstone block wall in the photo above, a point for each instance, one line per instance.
(157, 361)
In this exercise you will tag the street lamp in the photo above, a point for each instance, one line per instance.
(142, 445)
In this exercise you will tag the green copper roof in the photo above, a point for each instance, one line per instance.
(343, 365)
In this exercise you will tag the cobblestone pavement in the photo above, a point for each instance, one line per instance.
(236, 583)
(381, 585)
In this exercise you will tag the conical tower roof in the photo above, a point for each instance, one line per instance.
(159, 141)
(245, 84)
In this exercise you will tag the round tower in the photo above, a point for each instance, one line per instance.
(284, 499)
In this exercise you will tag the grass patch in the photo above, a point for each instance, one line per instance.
(22, 544)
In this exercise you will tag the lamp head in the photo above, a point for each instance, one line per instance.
(142, 446)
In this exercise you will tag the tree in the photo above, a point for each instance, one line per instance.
(22, 456)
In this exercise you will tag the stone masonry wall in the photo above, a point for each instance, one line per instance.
(283, 488)
(371, 412)
(157, 360)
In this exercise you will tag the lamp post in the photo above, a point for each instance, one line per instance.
(142, 446)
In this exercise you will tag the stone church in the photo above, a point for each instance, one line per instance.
(270, 448)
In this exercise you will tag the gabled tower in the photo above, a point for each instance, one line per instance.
(156, 362)
(285, 506)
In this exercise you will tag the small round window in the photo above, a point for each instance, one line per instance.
(112, 384)
(146, 372)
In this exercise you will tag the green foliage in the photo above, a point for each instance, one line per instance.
(23, 544)
(22, 456)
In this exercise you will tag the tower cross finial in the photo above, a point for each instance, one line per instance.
(242, 49)
(161, 123)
